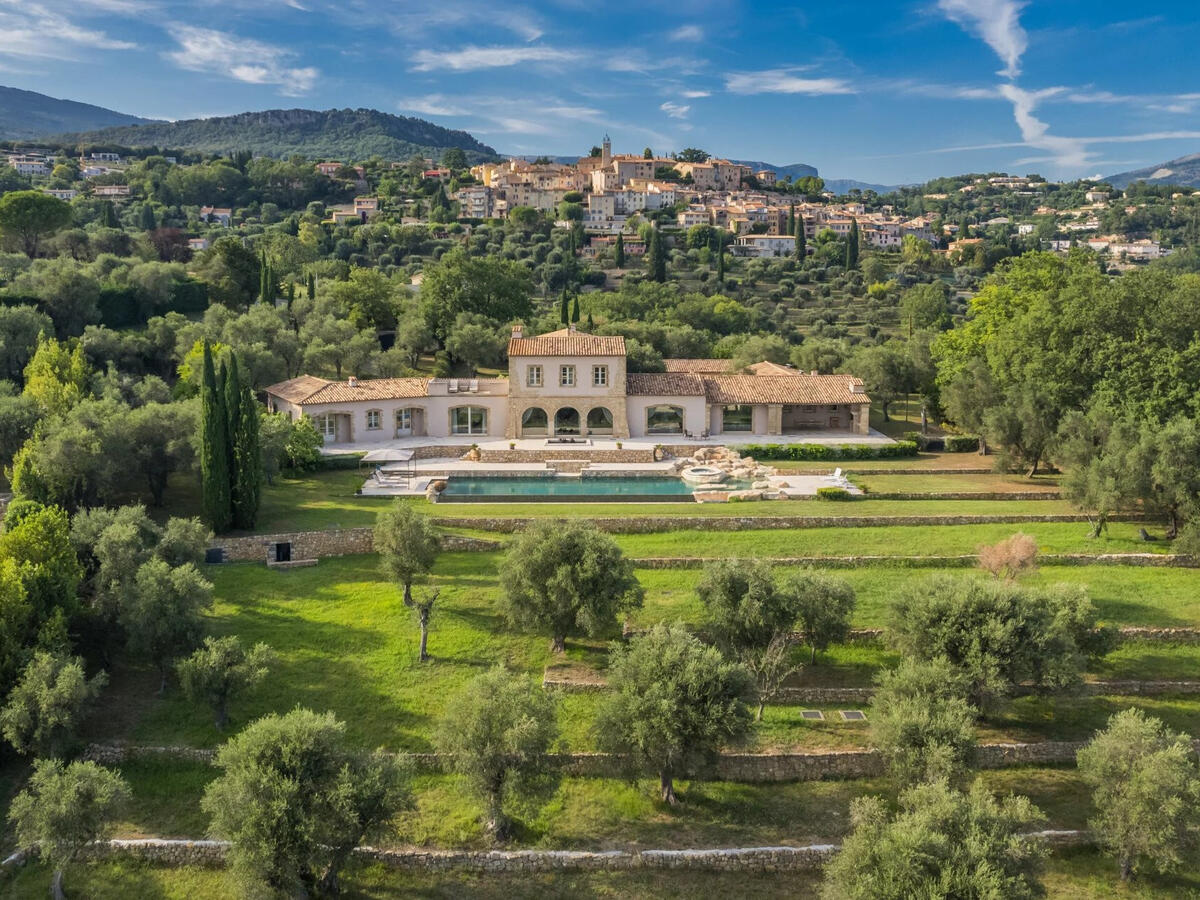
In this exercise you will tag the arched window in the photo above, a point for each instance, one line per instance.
(468, 420)
(664, 420)
(534, 422)
(566, 421)
(599, 421)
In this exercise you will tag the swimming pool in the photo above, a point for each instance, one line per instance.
(641, 489)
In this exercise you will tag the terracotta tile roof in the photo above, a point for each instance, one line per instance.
(664, 384)
(565, 342)
(791, 389)
(713, 366)
(296, 389)
(769, 368)
(307, 390)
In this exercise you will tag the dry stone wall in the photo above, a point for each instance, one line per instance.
(320, 544)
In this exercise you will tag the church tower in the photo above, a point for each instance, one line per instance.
(606, 151)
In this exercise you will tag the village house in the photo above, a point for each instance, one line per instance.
(570, 384)
(29, 165)
(62, 193)
(222, 216)
(110, 190)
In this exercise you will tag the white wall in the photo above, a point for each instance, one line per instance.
(694, 415)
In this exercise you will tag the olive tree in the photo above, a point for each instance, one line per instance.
(1146, 791)
(567, 579)
(163, 613)
(823, 605)
(408, 544)
(921, 721)
(64, 808)
(44, 708)
(294, 801)
(498, 732)
(941, 843)
(998, 634)
(221, 669)
(674, 703)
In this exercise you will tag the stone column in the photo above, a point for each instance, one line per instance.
(774, 418)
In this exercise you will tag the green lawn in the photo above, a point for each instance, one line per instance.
(888, 540)
(346, 643)
(948, 484)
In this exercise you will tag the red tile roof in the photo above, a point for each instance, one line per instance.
(565, 342)
(308, 390)
(664, 384)
(712, 366)
(789, 389)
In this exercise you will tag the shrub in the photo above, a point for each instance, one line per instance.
(342, 461)
(925, 442)
(831, 452)
(962, 443)
(1011, 557)
(834, 493)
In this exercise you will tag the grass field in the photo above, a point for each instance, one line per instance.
(949, 484)
(346, 643)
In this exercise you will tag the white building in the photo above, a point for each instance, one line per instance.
(567, 383)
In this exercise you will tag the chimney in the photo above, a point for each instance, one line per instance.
(572, 328)
(352, 381)
(856, 387)
(518, 331)
(813, 372)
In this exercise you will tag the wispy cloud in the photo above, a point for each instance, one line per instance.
(242, 59)
(695, 95)
(38, 32)
(432, 105)
(997, 22)
(687, 33)
(470, 59)
(675, 110)
(784, 81)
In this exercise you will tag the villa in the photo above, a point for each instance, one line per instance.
(568, 384)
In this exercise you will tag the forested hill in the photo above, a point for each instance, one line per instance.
(345, 134)
(1184, 171)
(28, 114)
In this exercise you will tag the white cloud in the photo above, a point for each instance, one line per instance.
(38, 32)
(695, 95)
(687, 33)
(998, 23)
(243, 59)
(432, 105)
(472, 58)
(675, 110)
(1069, 153)
(784, 81)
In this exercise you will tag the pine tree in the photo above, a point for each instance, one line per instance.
(564, 313)
(214, 449)
(801, 240)
(852, 246)
(619, 252)
(242, 413)
(575, 310)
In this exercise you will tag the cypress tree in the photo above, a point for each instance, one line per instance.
(591, 324)
(575, 310)
(658, 257)
(801, 239)
(108, 215)
(852, 246)
(244, 474)
(312, 286)
(147, 222)
(564, 314)
(791, 221)
(619, 252)
(214, 449)
(720, 257)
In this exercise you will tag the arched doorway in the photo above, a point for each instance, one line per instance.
(600, 420)
(534, 422)
(664, 419)
(566, 421)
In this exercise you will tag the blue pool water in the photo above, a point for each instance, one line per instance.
(465, 489)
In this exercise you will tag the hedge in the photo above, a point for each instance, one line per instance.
(832, 452)
(342, 461)
(925, 442)
(834, 493)
(962, 443)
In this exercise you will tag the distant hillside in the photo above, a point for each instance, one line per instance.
(28, 114)
(845, 185)
(1184, 171)
(796, 170)
(345, 134)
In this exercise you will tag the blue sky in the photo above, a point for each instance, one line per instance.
(887, 92)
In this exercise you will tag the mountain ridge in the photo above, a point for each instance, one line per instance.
(1183, 171)
(26, 115)
(347, 134)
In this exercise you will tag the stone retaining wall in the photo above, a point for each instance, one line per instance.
(651, 523)
(1149, 560)
(319, 544)
(740, 767)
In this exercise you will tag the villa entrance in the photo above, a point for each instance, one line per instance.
(566, 421)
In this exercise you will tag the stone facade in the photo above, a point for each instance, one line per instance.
(308, 545)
